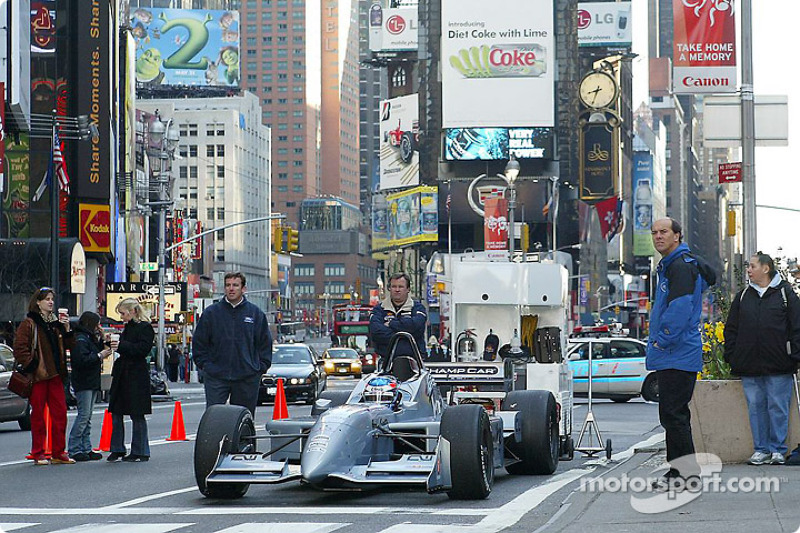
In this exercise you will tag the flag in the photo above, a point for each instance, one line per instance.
(447, 203)
(546, 208)
(610, 213)
(56, 166)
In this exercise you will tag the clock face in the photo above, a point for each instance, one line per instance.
(597, 90)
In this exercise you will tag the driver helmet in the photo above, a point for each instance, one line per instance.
(381, 389)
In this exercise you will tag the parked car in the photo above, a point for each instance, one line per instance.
(618, 369)
(301, 370)
(342, 362)
(369, 361)
(12, 407)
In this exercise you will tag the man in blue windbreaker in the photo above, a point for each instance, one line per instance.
(675, 349)
(232, 345)
(398, 312)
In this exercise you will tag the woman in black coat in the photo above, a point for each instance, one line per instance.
(87, 360)
(130, 383)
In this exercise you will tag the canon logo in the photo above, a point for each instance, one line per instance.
(689, 81)
(395, 24)
(511, 58)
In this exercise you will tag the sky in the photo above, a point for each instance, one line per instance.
(774, 73)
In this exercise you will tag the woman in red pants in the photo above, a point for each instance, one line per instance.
(40, 347)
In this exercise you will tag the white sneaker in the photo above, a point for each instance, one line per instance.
(759, 458)
(777, 459)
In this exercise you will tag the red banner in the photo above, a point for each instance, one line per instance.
(704, 47)
(495, 224)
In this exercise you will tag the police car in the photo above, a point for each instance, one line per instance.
(618, 364)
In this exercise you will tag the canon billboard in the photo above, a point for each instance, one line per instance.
(497, 63)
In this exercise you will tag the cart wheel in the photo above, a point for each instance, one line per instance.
(608, 449)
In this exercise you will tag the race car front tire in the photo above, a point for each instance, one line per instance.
(538, 450)
(219, 421)
(466, 428)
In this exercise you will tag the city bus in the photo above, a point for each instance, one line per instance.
(351, 326)
(292, 332)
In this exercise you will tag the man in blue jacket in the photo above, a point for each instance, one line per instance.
(675, 349)
(398, 312)
(232, 345)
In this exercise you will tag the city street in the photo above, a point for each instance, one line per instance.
(161, 495)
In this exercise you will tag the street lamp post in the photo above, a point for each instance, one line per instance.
(167, 137)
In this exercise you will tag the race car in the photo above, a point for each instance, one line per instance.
(394, 428)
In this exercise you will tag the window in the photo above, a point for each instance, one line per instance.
(220, 171)
(334, 269)
(297, 188)
(399, 77)
(210, 213)
(304, 288)
(598, 350)
(193, 149)
(334, 287)
(304, 270)
(283, 175)
(220, 255)
(193, 172)
(221, 213)
(221, 150)
(209, 150)
(283, 188)
(184, 173)
(626, 349)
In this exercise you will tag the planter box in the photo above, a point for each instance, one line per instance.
(720, 424)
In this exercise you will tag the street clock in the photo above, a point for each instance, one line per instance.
(598, 90)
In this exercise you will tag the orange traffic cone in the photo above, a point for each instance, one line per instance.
(48, 440)
(105, 433)
(281, 410)
(178, 431)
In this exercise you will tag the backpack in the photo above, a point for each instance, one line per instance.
(707, 272)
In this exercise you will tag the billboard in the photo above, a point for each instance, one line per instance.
(399, 151)
(497, 63)
(147, 295)
(462, 144)
(95, 227)
(412, 216)
(643, 194)
(91, 86)
(16, 191)
(186, 46)
(604, 24)
(704, 47)
(393, 29)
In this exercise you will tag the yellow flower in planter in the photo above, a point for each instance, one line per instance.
(714, 365)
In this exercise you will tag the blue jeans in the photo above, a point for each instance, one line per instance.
(242, 392)
(139, 440)
(768, 399)
(80, 436)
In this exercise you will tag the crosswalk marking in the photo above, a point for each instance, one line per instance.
(104, 528)
(282, 527)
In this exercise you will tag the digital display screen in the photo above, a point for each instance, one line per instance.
(485, 144)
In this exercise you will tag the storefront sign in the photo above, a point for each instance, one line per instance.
(599, 162)
(95, 227)
(77, 268)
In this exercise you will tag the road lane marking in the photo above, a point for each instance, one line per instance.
(8, 526)
(294, 527)
(122, 528)
(151, 497)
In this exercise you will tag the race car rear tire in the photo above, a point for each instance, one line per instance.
(538, 450)
(337, 398)
(466, 428)
(218, 421)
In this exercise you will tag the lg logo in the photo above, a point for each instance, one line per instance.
(395, 24)
(584, 19)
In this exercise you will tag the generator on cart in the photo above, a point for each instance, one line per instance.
(522, 306)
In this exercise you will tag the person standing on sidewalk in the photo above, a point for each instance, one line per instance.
(675, 348)
(87, 361)
(232, 345)
(40, 346)
(173, 362)
(130, 383)
(761, 334)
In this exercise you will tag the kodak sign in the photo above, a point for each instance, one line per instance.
(95, 227)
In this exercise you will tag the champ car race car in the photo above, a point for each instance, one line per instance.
(394, 428)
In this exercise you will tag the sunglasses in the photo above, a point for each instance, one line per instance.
(46, 289)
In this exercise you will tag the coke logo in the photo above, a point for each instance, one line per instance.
(395, 24)
(584, 19)
(512, 58)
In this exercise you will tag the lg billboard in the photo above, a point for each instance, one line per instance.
(497, 63)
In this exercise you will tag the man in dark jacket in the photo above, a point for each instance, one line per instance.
(762, 335)
(675, 349)
(398, 312)
(232, 345)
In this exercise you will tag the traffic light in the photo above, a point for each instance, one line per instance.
(277, 239)
(292, 239)
(525, 238)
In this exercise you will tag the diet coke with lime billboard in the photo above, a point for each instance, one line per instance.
(497, 70)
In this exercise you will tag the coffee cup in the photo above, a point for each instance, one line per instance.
(63, 312)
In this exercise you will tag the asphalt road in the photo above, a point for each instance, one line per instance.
(161, 495)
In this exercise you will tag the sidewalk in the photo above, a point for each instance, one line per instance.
(740, 498)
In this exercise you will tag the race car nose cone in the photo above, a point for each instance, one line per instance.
(315, 471)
